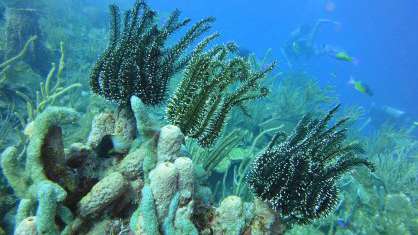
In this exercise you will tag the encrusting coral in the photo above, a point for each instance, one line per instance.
(205, 96)
(298, 176)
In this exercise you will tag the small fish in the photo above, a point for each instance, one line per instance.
(330, 6)
(112, 145)
(393, 112)
(361, 87)
(344, 56)
(342, 223)
(333, 75)
(296, 47)
(415, 123)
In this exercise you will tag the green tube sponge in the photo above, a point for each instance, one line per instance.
(48, 195)
(13, 172)
(133, 222)
(149, 133)
(103, 193)
(168, 225)
(150, 160)
(183, 220)
(150, 220)
(145, 220)
(145, 125)
(48, 120)
(24, 210)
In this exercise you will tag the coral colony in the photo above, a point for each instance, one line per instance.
(132, 175)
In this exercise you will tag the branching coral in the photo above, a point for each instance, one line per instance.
(137, 60)
(213, 84)
(298, 176)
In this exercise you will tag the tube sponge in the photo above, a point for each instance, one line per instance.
(13, 172)
(102, 194)
(230, 218)
(169, 143)
(31, 182)
(149, 223)
(24, 210)
(51, 117)
(168, 225)
(48, 195)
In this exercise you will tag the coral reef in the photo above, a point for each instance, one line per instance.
(297, 177)
(199, 165)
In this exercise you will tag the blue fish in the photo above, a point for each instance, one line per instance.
(342, 223)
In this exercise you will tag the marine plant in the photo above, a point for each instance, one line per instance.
(9, 104)
(49, 91)
(138, 61)
(297, 93)
(292, 94)
(22, 23)
(214, 82)
(298, 176)
(388, 197)
(211, 158)
(7, 64)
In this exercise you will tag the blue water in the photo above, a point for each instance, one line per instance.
(381, 35)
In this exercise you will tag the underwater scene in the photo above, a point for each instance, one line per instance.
(130, 117)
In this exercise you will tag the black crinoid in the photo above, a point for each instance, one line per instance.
(298, 176)
(215, 81)
(138, 61)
